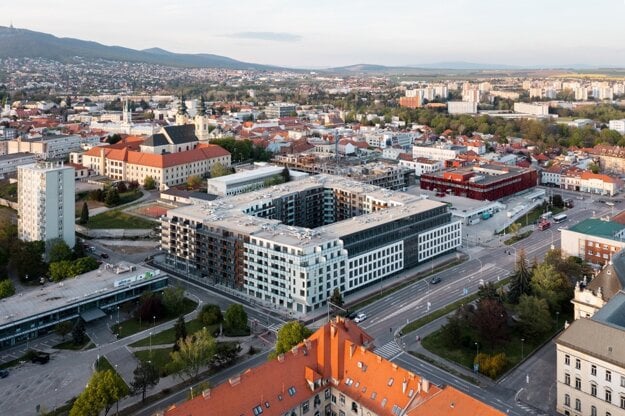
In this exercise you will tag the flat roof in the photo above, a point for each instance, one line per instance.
(503, 172)
(229, 212)
(247, 175)
(17, 156)
(598, 228)
(51, 296)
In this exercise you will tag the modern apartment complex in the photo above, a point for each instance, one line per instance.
(279, 110)
(593, 240)
(46, 202)
(291, 246)
(333, 372)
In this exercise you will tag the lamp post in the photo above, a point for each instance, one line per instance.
(191, 390)
(117, 411)
(522, 352)
(477, 349)
(118, 315)
(150, 343)
(154, 321)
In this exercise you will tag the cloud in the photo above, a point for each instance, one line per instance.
(270, 36)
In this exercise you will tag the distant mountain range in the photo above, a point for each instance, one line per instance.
(23, 43)
(19, 43)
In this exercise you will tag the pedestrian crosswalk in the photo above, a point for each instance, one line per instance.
(274, 327)
(389, 350)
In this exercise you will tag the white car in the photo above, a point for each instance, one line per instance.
(360, 317)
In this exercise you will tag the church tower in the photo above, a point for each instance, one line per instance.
(182, 117)
(127, 113)
(201, 121)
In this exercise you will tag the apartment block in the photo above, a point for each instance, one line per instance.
(291, 246)
(46, 202)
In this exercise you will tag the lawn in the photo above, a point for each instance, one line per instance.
(127, 197)
(159, 357)
(102, 364)
(132, 325)
(513, 347)
(115, 219)
(517, 237)
(8, 190)
(168, 336)
(533, 216)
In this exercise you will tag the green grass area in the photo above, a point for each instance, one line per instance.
(132, 326)
(515, 349)
(130, 196)
(518, 237)
(116, 219)
(159, 357)
(69, 345)
(533, 216)
(391, 289)
(448, 369)
(168, 336)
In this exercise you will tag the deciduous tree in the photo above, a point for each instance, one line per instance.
(289, 335)
(180, 331)
(490, 321)
(173, 300)
(195, 352)
(534, 318)
(211, 315)
(146, 377)
(235, 320)
(104, 389)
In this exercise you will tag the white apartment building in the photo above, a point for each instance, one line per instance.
(9, 163)
(462, 107)
(422, 165)
(536, 109)
(46, 202)
(581, 93)
(618, 125)
(51, 146)
(436, 153)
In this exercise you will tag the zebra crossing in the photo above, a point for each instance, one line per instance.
(275, 327)
(389, 350)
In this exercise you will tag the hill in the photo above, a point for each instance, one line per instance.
(23, 43)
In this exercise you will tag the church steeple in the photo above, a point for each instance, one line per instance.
(201, 109)
(182, 117)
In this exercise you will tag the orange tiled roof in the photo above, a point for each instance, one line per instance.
(337, 355)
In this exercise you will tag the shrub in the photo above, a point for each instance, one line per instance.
(6, 288)
(211, 315)
(492, 365)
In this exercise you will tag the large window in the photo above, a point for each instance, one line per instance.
(578, 404)
(567, 359)
(593, 389)
(567, 400)
(608, 395)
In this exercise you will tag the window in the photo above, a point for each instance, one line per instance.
(578, 363)
(622, 402)
(608, 375)
(327, 394)
(578, 383)
(593, 389)
(567, 400)
(622, 381)
(578, 404)
(354, 407)
(608, 396)
(593, 370)
(305, 406)
(342, 399)
(567, 360)
(567, 379)
(593, 411)
(291, 391)
(258, 410)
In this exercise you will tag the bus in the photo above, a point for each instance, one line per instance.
(546, 215)
(560, 218)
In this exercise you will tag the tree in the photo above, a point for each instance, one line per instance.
(122, 187)
(59, 251)
(547, 283)
(104, 389)
(492, 365)
(211, 315)
(194, 352)
(27, 258)
(451, 332)
(514, 228)
(235, 320)
(489, 291)
(173, 300)
(113, 139)
(194, 181)
(594, 167)
(84, 214)
(336, 298)
(6, 288)
(557, 201)
(149, 183)
(490, 321)
(225, 354)
(112, 197)
(79, 333)
(219, 170)
(291, 334)
(534, 318)
(146, 377)
(63, 328)
(520, 281)
(180, 330)
(150, 306)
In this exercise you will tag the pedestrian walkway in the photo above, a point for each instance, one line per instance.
(390, 350)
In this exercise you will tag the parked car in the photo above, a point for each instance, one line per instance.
(360, 317)
(4, 373)
(104, 256)
(40, 357)
(435, 280)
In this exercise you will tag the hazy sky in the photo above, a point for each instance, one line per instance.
(320, 33)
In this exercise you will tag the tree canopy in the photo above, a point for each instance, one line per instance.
(102, 391)
(291, 334)
(194, 352)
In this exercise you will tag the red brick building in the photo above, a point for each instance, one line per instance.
(485, 182)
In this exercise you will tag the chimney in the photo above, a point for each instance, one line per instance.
(404, 385)
(352, 349)
(426, 385)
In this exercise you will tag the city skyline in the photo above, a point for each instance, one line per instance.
(323, 34)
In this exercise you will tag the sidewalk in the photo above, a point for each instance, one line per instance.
(100, 210)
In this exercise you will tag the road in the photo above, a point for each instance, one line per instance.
(486, 264)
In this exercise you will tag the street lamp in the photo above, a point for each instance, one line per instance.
(150, 343)
(477, 349)
(117, 314)
(117, 411)
(522, 342)
(154, 321)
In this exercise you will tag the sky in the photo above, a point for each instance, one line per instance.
(330, 33)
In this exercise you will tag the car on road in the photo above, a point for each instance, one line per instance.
(104, 256)
(4, 373)
(39, 357)
(360, 317)
(435, 280)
